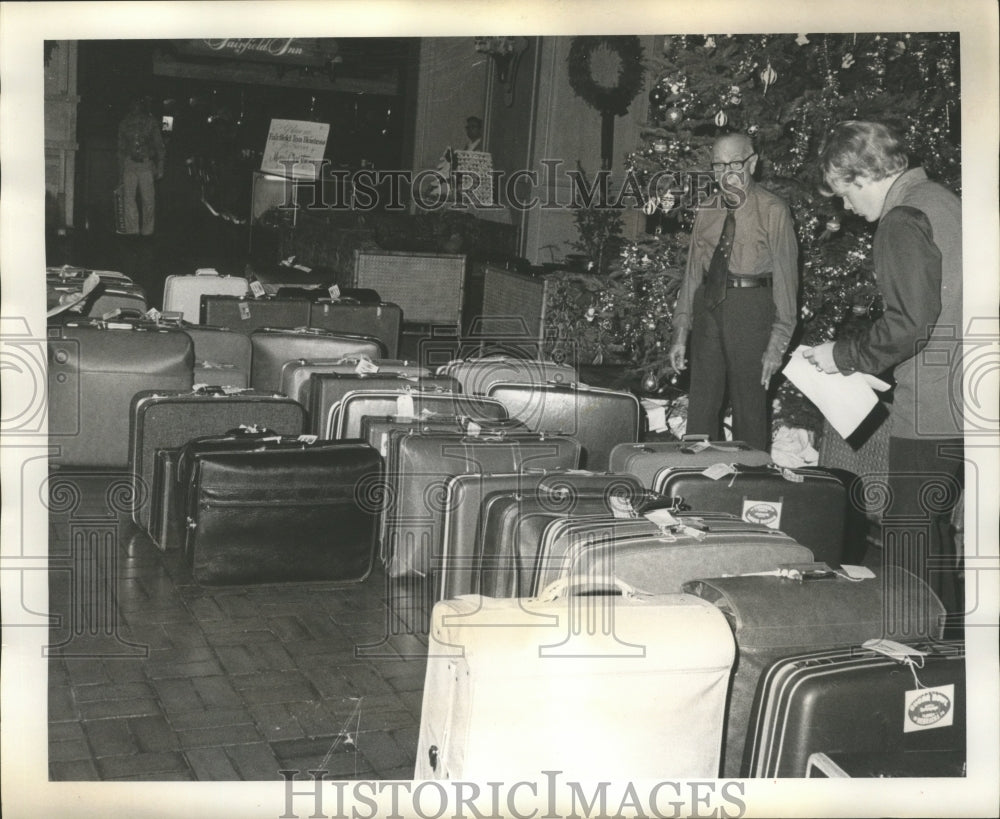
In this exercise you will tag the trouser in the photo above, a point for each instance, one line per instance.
(727, 345)
(924, 485)
(137, 178)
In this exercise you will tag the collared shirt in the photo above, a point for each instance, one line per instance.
(764, 243)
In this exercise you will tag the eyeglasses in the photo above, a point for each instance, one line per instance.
(735, 165)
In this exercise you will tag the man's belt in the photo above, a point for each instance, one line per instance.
(763, 280)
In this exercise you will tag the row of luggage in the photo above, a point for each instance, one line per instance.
(234, 303)
(758, 675)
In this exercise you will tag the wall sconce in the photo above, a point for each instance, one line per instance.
(506, 54)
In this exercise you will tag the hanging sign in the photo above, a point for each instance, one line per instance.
(312, 51)
(295, 148)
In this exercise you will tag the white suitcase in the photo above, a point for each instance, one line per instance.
(183, 293)
(518, 686)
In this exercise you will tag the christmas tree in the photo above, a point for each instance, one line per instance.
(785, 91)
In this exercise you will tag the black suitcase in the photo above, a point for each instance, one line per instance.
(345, 418)
(599, 419)
(383, 321)
(660, 557)
(856, 701)
(295, 375)
(167, 419)
(469, 498)
(283, 514)
(221, 355)
(774, 617)
(412, 540)
(811, 504)
(328, 389)
(273, 347)
(479, 374)
(167, 515)
(94, 370)
(246, 314)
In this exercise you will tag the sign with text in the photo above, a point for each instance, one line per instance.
(311, 51)
(295, 148)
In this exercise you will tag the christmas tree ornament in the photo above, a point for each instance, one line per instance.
(650, 382)
(899, 48)
(659, 145)
(735, 95)
(657, 96)
(860, 309)
(674, 116)
(753, 130)
(833, 224)
(847, 61)
(768, 76)
(802, 40)
(721, 118)
(709, 42)
(650, 207)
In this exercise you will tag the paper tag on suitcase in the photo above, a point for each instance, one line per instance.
(244, 311)
(334, 292)
(404, 406)
(365, 366)
(717, 471)
(928, 708)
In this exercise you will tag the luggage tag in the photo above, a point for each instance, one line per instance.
(365, 367)
(404, 406)
(670, 526)
(111, 314)
(257, 289)
(153, 315)
(720, 470)
(244, 311)
(622, 508)
(473, 429)
(924, 708)
(334, 291)
(792, 476)
(307, 439)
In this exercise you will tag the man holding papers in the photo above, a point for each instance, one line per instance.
(917, 252)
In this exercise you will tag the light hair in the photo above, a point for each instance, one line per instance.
(854, 148)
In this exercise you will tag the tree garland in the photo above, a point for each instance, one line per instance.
(608, 100)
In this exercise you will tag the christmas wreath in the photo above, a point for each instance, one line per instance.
(606, 99)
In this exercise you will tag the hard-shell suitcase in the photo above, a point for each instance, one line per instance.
(295, 374)
(94, 370)
(479, 374)
(328, 389)
(810, 504)
(856, 701)
(424, 464)
(599, 418)
(221, 356)
(344, 418)
(778, 616)
(658, 556)
(383, 321)
(246, 314)
(115, 296)
(70, 273)
(183, 293)
(601, 687)
(281, 515)
(166, 419)
(273, 347)
(466, 500)
(651, 461)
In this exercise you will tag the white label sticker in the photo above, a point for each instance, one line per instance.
(404, 406)
(716, 471)
(244, 311)
(765, 512)
(927, 708)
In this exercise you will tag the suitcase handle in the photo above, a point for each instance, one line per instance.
(581, 586)
(694, 437)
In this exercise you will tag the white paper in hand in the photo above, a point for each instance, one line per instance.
(845, 400)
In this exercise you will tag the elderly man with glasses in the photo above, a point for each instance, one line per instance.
(737, 299)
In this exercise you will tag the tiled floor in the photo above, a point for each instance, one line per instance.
(156, 678)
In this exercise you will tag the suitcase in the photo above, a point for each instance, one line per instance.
(651, 461)
(70, 273)
(641, 697)
(183, 293)
(283, 515)
(94, 370)
(116, 296)
(246, 314)
(479, 374)
(273, 347)
(466, 499)
(774, 617)
(384, 320)
(810, 504)
(221, 356)
(344, 419)
(657, 557)
(424, 463)
(295, 375)
(327, 391)
(161, 419)
(856, 701)
(599, 418)
(289, 274)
